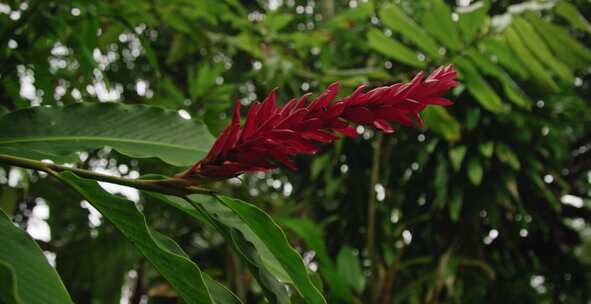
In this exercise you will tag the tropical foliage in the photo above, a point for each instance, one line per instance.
(104, 102)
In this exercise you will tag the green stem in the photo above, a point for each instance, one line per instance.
(173, 186)
(371, 214)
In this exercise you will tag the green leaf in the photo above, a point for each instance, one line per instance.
(182, 273)
(247, 245)
(561, 42)
(512, 90)
(539, 48)
(134, 130)
(572, 15)
(8, 288)
(455, 204)
(219, 292)
(274, 238)
(312, 234)
(478, 87)
(3, 110)
(487, 148)
(350, 268)
(276, 22)
(8, 199)
(393, 49)
(506, 155)
(394, 18)
(249, 44)
(441, 180)
(475, 171)
(31, 278)
(437, 20)
(535, 68)
(440, 121)
(497, 47)
(456, 155)
(472, 19)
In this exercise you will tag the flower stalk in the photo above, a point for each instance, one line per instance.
(166, 186)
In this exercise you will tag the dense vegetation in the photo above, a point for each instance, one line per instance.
(488, 203)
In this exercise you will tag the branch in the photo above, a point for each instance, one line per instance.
(173, 186)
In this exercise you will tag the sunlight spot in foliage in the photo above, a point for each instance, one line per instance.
(380, 192)
(395, 216)
(537, 282)
(548, 179)
(572, 200)
(407, 236)
(344, 168)
(184, 114)
(94, 216)
(287, 189)
(523, 232)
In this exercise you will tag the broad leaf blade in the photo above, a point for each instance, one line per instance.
(229, 225)
(274, 238)
(134, 130)
(8, 288)
(21, 259)
(311, 233)
(182, 273)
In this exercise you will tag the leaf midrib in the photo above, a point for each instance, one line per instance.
(90, 138)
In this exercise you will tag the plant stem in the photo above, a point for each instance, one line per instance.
(172, 186)
(371, 213)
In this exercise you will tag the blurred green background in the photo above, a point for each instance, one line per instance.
(488, 204)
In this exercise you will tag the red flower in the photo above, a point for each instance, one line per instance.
(271, 135)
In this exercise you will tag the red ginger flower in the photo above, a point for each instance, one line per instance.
(271, 135)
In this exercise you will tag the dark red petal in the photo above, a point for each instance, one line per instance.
(250, 124)
(361, 115)
(325, 98)
(334, 111)
(347, 131)
(319, 135)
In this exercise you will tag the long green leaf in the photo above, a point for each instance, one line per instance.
(393, 49)
(539, 48)
(182, 273)
(311, 233)
(229, 225)
(8, 288)
(536, 70)
(472, 19)
(350, 269)
(438, 22)
(512, 90)
(394, 18)
(135, 130)
(274, 238)
(561, 42)
(497, 47)
(30, 278)
(440, 121)
(572, 15)
(478, 87)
